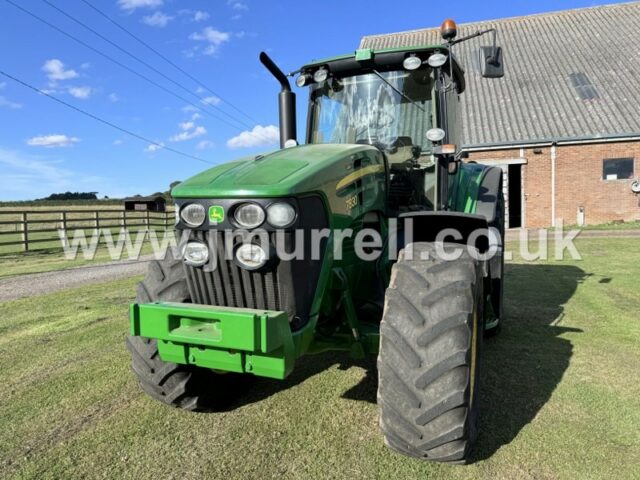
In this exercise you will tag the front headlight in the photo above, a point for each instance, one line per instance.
(195, 254)
(193, 214)
(249, 215)
(280, 214)
(251, 256)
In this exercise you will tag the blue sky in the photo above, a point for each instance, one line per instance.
(47, 148)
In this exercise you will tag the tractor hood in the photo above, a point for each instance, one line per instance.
(290, 171)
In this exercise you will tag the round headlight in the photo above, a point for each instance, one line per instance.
(280, 214)
(193, 214)
(320, 75)
(412, 63)
(437, 60)
(303, 80)
(195, 254)
(249, 215)
(251, 256)
(435, 134)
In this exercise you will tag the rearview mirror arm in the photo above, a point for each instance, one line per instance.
(494, 58)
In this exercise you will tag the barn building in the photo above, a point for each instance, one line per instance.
(153, 203)
(564, 122)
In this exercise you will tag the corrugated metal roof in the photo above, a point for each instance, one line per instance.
(569, 74)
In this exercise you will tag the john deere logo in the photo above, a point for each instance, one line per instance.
(216, 214)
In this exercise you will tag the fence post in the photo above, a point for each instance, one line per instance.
(63, 223)
(147, 220)
(123, 219)
(25, 232)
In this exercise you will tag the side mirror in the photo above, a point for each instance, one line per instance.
(463, 155)
(491, 62)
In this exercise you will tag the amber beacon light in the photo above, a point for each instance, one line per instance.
(449, 29)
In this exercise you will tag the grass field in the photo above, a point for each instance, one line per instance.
(561, 396)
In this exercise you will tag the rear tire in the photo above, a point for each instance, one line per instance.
(430, 340)
(182, 386)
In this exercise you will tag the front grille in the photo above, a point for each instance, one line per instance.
(231, 286)
(288, 286)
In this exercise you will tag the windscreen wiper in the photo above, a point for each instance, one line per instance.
(398, 91)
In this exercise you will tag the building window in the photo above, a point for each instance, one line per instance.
(617, 168)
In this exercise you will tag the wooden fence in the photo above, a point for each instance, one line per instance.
(24, 230)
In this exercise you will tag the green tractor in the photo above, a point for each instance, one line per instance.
(374, 237)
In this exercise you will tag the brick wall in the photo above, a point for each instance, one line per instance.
(579, 183)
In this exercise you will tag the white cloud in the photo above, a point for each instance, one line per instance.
(189, 108)
(26, 176)
(117, 142)
(212, 100)
(158, 19)
(258, 137)
(205, 144)
(6, 103)
(81, 92)
(189, 131)
(85, 65)
(196, 116)
(55, 70)
(200, 16)
(152, 147)
(55, 140)
(131, 5)
(113, 97)
(237, 5)
(214, 38)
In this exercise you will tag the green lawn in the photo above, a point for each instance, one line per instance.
(561, 396)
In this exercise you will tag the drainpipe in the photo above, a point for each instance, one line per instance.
(553, 184)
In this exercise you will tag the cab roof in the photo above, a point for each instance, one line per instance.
(366, 60)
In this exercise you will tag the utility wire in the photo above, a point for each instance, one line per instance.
(177, 67)
(120, 64)
(101, 120)
(151, 67)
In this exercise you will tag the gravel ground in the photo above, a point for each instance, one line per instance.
(514, 234)
(40, 283)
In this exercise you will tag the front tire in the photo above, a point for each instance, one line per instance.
(430, 340)
(182, 386)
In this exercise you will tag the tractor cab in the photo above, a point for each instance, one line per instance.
(402, 101)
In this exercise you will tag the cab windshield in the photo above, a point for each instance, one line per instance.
(381, 109)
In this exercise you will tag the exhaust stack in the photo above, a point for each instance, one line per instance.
(286, 101)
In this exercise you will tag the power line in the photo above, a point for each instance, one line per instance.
(177, 67)
(121, 65)
(151, 67)
(101, 120)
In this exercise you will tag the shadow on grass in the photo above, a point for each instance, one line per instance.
(305, 368)
(521, 367)
(524, 364)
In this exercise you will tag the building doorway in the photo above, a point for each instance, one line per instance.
(515, 196)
